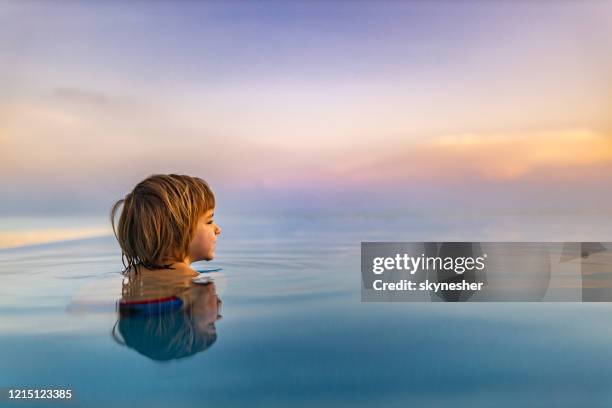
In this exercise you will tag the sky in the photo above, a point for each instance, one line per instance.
(308, 105)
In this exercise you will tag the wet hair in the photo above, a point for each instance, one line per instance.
(158, 219)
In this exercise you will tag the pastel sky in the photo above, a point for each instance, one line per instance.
(308, 104)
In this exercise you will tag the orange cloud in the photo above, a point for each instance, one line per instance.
(493, 157)
(17, 238)
(511, 156)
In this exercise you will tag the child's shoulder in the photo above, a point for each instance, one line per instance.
(144, 284)
(173, 270)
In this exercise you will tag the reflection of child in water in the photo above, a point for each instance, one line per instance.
(172, 334)
(165, 224)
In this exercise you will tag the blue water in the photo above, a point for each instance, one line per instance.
(294, 332)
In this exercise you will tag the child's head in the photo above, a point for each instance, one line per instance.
(166, 219)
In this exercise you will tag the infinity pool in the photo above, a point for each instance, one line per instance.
(292, 330)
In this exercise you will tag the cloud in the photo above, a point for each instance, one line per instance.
(81, 96)
(496, 157)
(17, 238)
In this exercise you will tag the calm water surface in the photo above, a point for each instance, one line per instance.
(293, 330)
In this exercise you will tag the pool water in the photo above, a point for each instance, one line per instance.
(291, 328)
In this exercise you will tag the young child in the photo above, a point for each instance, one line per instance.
(166, 223)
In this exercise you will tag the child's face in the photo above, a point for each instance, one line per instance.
(202, 246)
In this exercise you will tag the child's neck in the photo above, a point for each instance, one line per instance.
(175, 267)
(183, 266)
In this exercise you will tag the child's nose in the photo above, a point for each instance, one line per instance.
(218, 230)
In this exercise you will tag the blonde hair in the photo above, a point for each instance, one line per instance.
(159, 218)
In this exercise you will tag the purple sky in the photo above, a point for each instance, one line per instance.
(308, 105)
